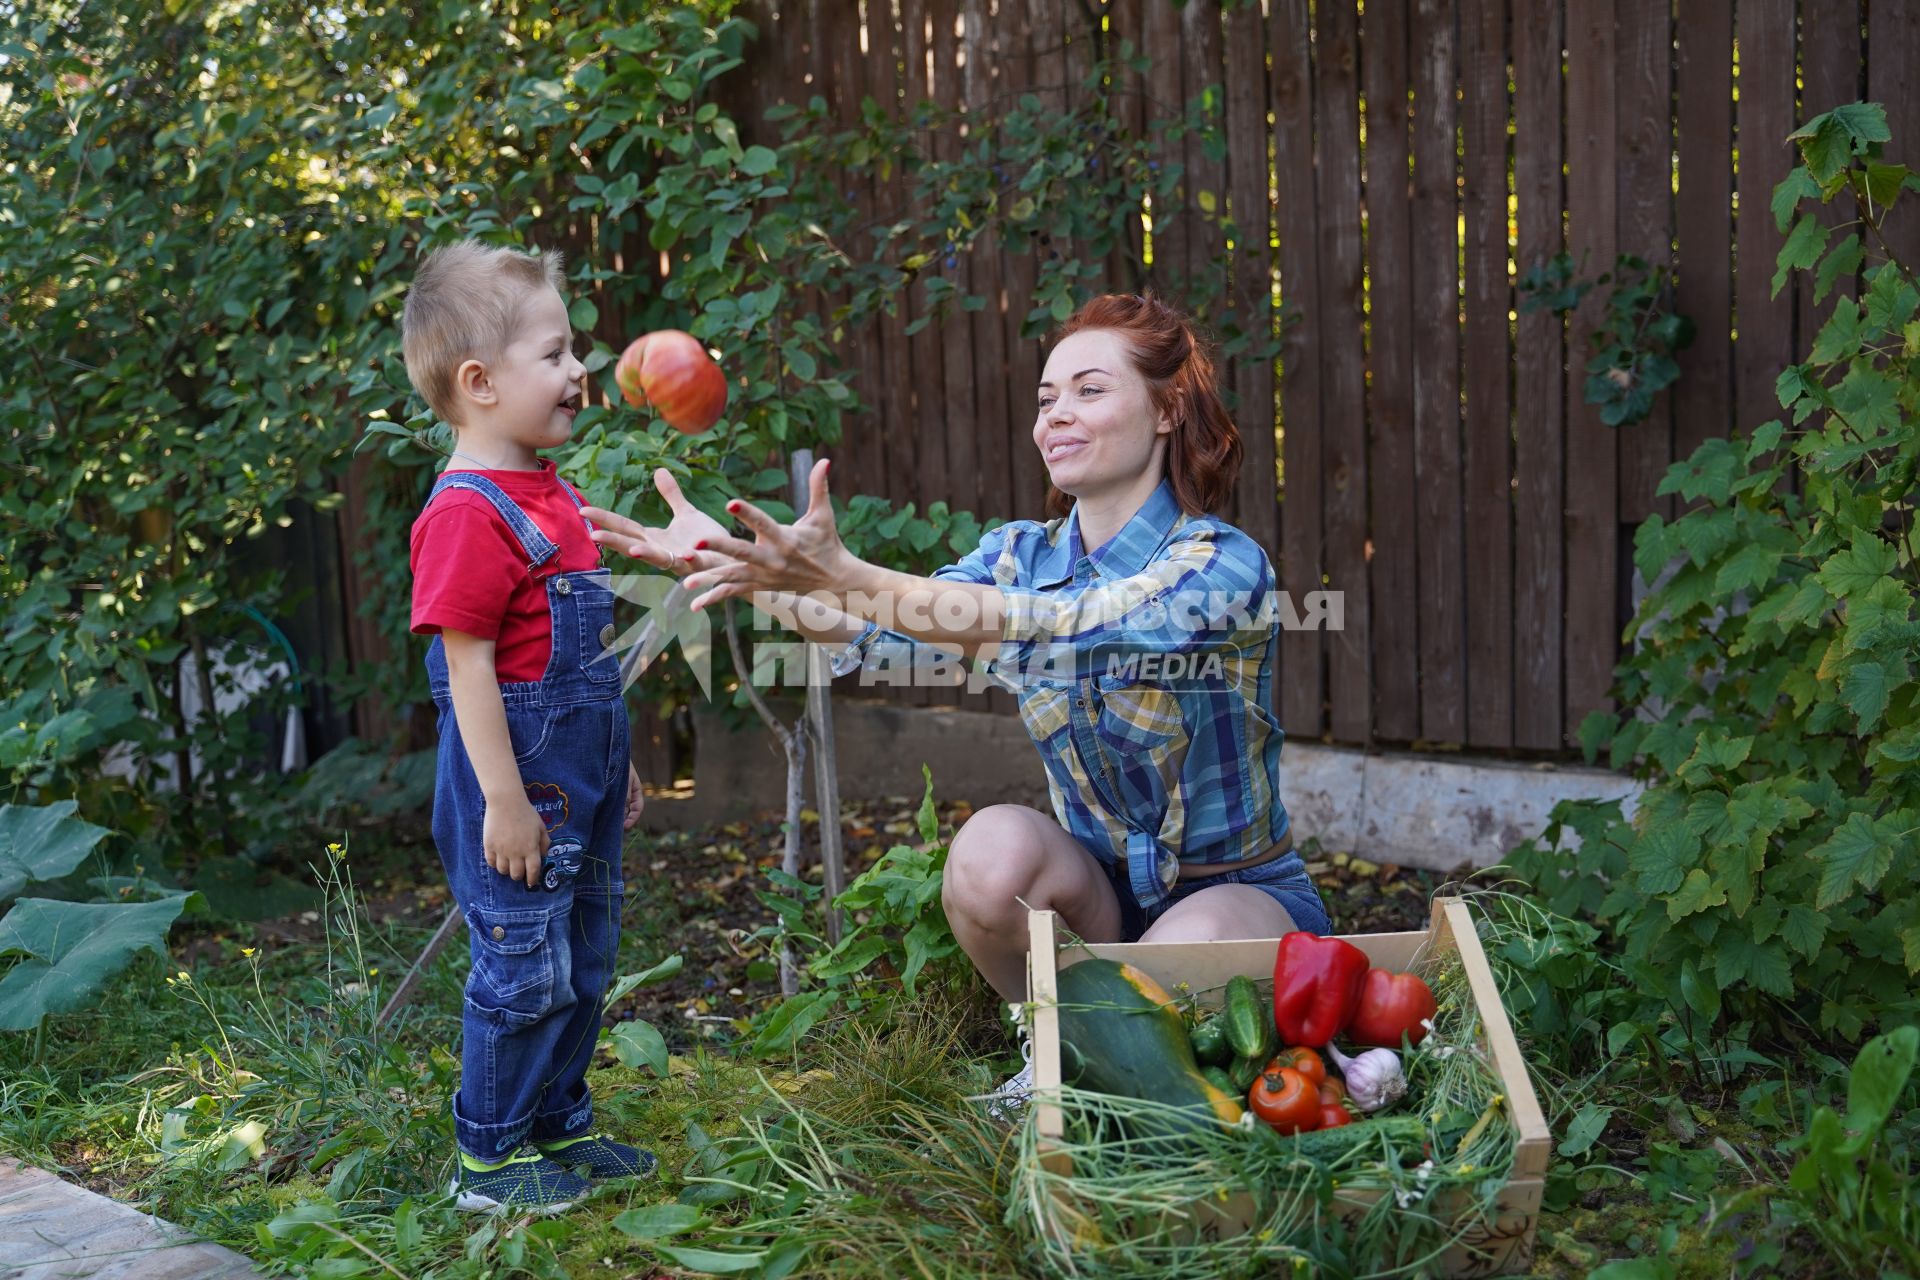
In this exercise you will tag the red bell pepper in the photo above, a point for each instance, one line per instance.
(1316, 986)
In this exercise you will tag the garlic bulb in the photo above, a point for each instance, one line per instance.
(1374, 1078)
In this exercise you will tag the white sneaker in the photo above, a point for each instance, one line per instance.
(1008, 1101)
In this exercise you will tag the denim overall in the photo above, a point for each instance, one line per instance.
(541, 958)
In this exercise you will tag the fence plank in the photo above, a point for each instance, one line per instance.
(1161, 34)
(1395, 564)
(1830, 72)
(1592, 514)
(1703, 218)
(1337, 111)
(1302, 695)
(1487, 365)
(1436, 377)
(1893, 81)
(1126, 271)
(1250, 282)
(1645, 86)
(927, 383)
(1033, 26)
(1765, 118)
(1202, 57)
(1539, 417)
(961, 407)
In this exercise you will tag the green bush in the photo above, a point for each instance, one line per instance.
(209, 229)
(1770, 703)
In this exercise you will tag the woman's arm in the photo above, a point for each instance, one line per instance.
(808, 559)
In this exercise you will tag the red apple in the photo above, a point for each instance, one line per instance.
(671, 371)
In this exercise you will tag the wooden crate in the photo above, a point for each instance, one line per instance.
(1503, 1243)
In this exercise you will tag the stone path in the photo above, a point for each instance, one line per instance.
(53, 1230)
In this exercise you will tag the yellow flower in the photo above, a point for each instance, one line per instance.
(246, 951)
(1465, 1168)
(336, 849)
(185, 976)
(372, 972)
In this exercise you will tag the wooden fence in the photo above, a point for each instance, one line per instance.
(1420, 446)
(1409, 159)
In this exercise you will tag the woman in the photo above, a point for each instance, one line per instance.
(1138, 632)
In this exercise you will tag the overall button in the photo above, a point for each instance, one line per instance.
(499, 934)
(606, 636)
(564, 586)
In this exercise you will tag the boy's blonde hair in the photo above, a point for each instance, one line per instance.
(464, 304)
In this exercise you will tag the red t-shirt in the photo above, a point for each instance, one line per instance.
(470, 571)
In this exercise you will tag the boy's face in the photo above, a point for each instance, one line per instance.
(528, 400)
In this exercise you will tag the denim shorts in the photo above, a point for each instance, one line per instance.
(1284, 879)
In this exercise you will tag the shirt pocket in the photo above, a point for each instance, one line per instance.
(1044, 710)
(1135, 716)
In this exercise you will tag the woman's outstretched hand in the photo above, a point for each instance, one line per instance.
(670, 548)
(804, 556)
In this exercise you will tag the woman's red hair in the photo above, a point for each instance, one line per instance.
(1203, 451)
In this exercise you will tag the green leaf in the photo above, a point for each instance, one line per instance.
(1662, 857)
(1803, 248)
(1798, 185)
(1839, 337)
(637, 1043)
(1864, 562)
(1697, 893)
(1740, 957)
(758, 162)
(72, 949)
(628, 981)
(850, 959)
(712, 1261)
(652, 1222)
(928, 818)
(1842, 260)
(42, 842)
(1865, 688)
(1702, 997)
(1585, 1129)
(1803, 929)
(1856, 854)
(584, 314)
(1879, 1077)
(791, 1021)
(1747, 569)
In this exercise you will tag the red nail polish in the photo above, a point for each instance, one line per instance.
(733, 506)
(698, 546)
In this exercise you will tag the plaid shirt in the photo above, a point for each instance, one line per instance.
(1144, 673)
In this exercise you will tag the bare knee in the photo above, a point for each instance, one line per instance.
(1220, 914)
(994, 861)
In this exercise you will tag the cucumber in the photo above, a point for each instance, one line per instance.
(1244, 1072)
(1221, 1080)
(1210, 1045)
(1407, 1135)
(1250, 1026)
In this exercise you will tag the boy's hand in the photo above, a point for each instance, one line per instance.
(515, 840)
(636, 799)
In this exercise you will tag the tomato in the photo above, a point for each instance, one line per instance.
(1332, 1090)
(1333, 1115)
(1286, 1100)
(1304, 1060)
(1391, 1004)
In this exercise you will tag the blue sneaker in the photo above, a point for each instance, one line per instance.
(528, 1182)
(597, 1156)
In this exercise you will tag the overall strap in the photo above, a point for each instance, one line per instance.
(578, 501)
(537, 545)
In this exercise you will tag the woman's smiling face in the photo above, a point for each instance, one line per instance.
(1097, 426)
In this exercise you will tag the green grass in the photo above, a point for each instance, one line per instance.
(857, 1157)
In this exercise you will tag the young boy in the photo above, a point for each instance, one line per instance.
(534, 785)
